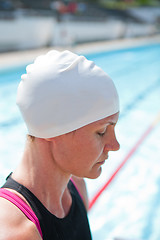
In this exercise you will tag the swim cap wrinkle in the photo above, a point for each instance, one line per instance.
(62, 92)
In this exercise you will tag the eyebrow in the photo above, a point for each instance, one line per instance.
(107, 123)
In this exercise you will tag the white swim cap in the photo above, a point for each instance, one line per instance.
(62, 92)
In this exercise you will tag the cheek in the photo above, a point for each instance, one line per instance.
(78, 156)
(89, 151)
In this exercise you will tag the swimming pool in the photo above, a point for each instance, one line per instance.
(129, 208)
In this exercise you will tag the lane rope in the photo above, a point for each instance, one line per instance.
(131, 152)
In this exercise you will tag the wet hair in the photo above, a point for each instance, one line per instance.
(30, 138)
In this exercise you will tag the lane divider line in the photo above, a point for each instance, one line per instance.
(131, 152)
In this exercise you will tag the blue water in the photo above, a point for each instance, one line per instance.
(130, 207)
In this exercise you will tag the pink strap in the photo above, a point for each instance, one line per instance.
(76, 188)
(4, 193)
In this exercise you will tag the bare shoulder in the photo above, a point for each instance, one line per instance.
(81, 185)
(14, 224)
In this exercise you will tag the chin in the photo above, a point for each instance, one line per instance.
(94, 174)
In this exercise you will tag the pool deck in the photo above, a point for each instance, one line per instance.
(23, 57)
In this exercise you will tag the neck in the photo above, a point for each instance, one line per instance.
(40, 174)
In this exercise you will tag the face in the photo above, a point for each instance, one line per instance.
(84, 151)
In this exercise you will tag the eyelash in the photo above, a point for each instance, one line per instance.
(101, 134)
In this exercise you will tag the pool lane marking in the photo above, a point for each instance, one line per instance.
(131, 152)
(139, 97)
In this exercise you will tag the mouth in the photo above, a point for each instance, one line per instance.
(102, 162)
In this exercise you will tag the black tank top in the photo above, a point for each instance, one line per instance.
(74, 226)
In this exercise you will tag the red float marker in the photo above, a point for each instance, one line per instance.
(131, 152)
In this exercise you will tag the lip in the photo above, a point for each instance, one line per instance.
(101, 162)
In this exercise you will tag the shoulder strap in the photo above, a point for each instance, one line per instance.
(76, 188)
(17, 201)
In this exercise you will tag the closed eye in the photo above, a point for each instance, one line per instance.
(101, 134)
(102, 131)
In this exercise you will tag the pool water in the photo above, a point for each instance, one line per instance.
(130, 207)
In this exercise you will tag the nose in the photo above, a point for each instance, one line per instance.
(111, 143)
(116, 145)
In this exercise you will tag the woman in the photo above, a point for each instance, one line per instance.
(70, 107)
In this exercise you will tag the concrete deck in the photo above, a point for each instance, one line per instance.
(24, 57)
